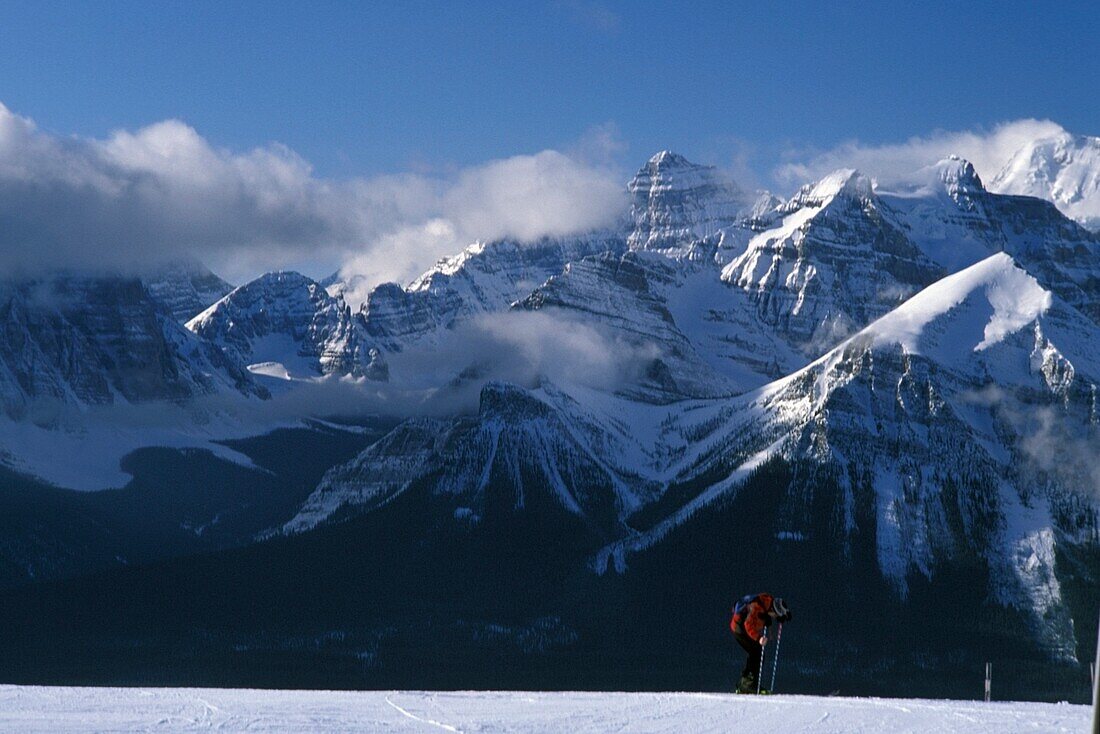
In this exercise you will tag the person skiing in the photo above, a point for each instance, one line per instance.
(751, 618)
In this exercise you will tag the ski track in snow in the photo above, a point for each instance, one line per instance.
(66, 709)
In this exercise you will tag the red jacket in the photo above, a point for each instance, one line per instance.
(751, 615)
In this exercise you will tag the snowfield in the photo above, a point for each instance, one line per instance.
(64, 709)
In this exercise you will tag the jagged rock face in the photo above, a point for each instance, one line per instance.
(706, 339)
(676, 202)
(483, 278)
(1063, 169)
(516, 455)
(831, 263)
(956, 222)
(625, 295)
(185, 289)
(286, 319)
(98, 341)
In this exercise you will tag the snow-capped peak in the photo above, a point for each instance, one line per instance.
(1063, 169)
(1010, 299)
(952, 176)
(667, 159)
(286, 324)
(958, 175)
(676, 202)
(842, 182)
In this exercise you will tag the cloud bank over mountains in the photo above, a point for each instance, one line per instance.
(988, 150)
(138, 198)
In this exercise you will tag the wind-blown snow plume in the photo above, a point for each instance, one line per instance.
(163, 192)
(989, 151)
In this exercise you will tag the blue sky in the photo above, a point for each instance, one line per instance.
(359, 88)
(377, 137)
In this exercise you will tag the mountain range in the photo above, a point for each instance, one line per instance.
(574, 453)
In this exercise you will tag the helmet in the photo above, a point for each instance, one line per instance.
(782, 612)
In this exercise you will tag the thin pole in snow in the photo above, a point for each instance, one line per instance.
(760, 674)
(988, 680)
(1096, 688)
(775, 658)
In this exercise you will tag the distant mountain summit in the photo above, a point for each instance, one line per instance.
(287, 326)
(1063, 169)
(185, 288)
(675, 202)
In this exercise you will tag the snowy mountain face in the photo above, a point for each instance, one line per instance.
(675, 203)
(71, 341)
(284, 325)
(957, 222)
(1064, 169)
(185, 289)
(901, 428)
(944, 313)
(483, 278)
(830, 262)
(885, 372)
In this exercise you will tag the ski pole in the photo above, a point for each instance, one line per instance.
(775, 660)
(760, 675)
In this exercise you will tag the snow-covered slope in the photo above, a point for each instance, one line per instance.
(287, 326)
(916, 420)
(64, 709)
(954, 220)
(706, 336)
(483, 278)
(541, 448)
(830, 262)
(185, 288)
(1064, 169)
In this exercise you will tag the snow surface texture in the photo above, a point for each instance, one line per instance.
(39, 709)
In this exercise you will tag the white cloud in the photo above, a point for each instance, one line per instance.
(163, 192)
(398, 256)
(988, 150)
(520, 347)
(523, 198)
(1052, 439)
(529, 196)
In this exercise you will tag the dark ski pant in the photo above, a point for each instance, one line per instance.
(753, 648)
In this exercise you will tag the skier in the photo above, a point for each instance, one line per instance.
(751, 618)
